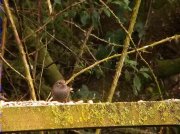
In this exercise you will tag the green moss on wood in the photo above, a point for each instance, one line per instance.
(91, 115)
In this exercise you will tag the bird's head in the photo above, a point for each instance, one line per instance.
(61, 82)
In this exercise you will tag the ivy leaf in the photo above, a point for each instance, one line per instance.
(84, 17)
(95, 18)
(146, 75)
(135, 91)
(108, 1)
(57, 2)
(123, 4)
(144, 69)
(137, 83)
(72, 13)
(106, 11)
(102, 52)
(131, 63)
(98, 73)
(127, 75)
(85, 94)
(140, 29)
(116, 36)
(118, 3)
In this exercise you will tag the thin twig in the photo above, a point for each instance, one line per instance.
(138, 42)
(42, 69)
(11, 67)
(118, 20)
(49, 6)
(61, 42)
(3, 42)
(37, 40)
(52, 36)
(53, 17)
(175, 37)
(124, 52)
(154, 76)
(81, 51)
(10, 81)
(93, 35)
(138, 53)
(21, 50)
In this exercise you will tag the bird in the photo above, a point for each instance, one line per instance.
(60, 91)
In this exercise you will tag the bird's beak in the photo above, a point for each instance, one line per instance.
(71, 90)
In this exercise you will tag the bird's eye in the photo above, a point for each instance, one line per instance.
(59, 83)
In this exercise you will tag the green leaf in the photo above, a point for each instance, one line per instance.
(85, 94)
(116, 36)
(144, 69)
(131, 63)
(84, 17)
(57, 2)
(146, 75)
(126, 2)
(118, 3)
(122, 3)
(95, 19)
(135, 91)
(127, 75)
(108, 1)
(137, 82)
(72, 13)
(140, 28)
(106, 11)
(99, 73)
(102, 52)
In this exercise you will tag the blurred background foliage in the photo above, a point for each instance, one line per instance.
(63, 32)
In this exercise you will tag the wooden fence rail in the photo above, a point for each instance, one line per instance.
(24, 116)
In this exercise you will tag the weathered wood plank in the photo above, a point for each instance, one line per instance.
(90, 115)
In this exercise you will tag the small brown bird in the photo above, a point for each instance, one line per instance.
(60, 91)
